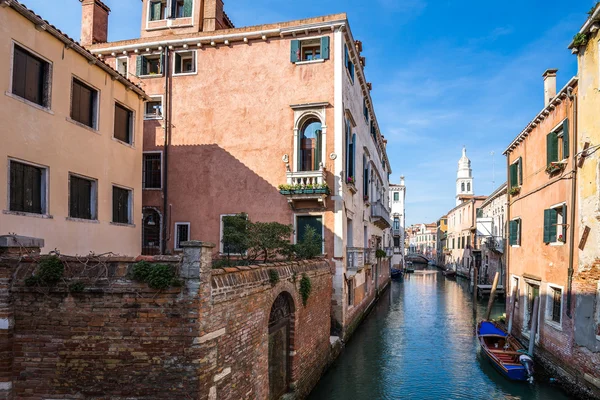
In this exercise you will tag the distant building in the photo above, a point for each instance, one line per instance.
(72, 137)
(426, 239)
(464, 178)
(398, 217)
(441, 245)
(490, 239)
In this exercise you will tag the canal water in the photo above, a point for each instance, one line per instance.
(419, 342)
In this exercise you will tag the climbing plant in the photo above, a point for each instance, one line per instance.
(157, 276)
(305, 288)
(49, 273)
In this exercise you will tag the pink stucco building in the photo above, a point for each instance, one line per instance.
(237, 112)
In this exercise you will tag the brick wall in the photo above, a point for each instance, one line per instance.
(207, 338)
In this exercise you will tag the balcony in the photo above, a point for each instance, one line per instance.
(495, 244)
(370, 258)
(305, 186)
(380, 215)
(397, 232)
(355, 258)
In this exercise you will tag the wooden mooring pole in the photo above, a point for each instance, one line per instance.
(513, 301)
(492, 296)
(475, 279)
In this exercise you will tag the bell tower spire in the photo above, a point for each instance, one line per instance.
(464, 177)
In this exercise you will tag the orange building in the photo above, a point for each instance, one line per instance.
(238, 112)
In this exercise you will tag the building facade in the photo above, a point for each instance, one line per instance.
(398, 218)
(72, 139)
(442, 243)
(491, 219)
(223, 137)
(426, 240)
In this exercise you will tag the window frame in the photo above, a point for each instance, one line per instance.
(322, 215)
(95, 105)
(154, 97)
(549, 309)
(117, 60)
(561, 225)
(519, 172)
(164, 11)
(44, 189)
(194, 60)
(93, 198)
(144, 169)
(310, 42)
(176, 244)
(151, 55)
(48, 75)
(131, 142)
(519, 232)
(130, 203)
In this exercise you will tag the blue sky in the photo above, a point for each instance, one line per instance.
(445, 73)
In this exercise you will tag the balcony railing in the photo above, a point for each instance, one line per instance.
(381, 215)
(495, 243)
(304, 178)
(305, 185)
(396, 232)
(355, 258)
(370, 258)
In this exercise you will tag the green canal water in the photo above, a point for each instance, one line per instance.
(419, 342)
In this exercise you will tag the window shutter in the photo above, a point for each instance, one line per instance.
(178, 64)
(173, 9)
(513, 175)
(520, 170)
(75, 101)
(551, 147)
(139, 65)
(155, 11)
(161, 59)
(566, 138)
(187, 8)
(512, 232)
(564, 227)
(353, 155)
(295, 51)
(550, 220)
(19, 69)
(325, 47)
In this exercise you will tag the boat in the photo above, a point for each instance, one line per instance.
(396, 273)
(504, 352)
(409, 270)
(449, 273)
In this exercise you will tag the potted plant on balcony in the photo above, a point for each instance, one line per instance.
(554, 167)
(322, 189)
(285, 189)
(515, 190)
(309, 189)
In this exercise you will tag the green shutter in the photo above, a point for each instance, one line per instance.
(155, 10)
(346, 57)
(172, 8)
(551, 148)
(295, 51)
(520, 168)
(566, 138)
(564, 227)
(512, 232)
(187, 8)
(319, 138)
(550, 220)
(325, 47)
(138, 65)
(513, 175)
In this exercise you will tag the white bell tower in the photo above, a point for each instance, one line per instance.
(464, 177)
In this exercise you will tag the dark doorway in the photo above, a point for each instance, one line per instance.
(151, 232)
(280, 324)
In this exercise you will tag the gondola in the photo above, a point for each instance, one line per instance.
(504, 352)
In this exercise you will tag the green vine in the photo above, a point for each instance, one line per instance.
(379, 253)
(273, 276)
(50, 272)
(157, 276)
(580, 39)
(76, 287)
(305, 288)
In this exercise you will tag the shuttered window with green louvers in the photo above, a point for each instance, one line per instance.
(156, 10)
(516, 173)
(550, 221)
(514, 232)
(565, 143)
(309, 49)
(187, 8)
(551, 148)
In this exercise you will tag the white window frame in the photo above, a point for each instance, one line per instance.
(130, 205)
(177, 224)
(152, 54)
(9, 93)
(149, 7)
(93, 198)
(559, 223)
(117, 65)
(44, 189)
(322, 215)
(131, 124)
(550, 303)
(161, 168)
(162, 108)
(221, 229)
(195, 62)
(96, 116)
(300, 45)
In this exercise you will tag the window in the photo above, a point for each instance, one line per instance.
(122, 199)
(350, 284)
(31, 77)
(185, 63)
(468, 186)
(123, 66)
(396, 196)
(153, 108)
(396, 223)
(516, 173)
(123, 124)
(182, 233)
(233, 226)
(365, 177)
(350, 153)
(348, 63)
(182, 9)
(151, 174)
(515, 287)
(532, 291)
(557, 144)
(462, 187)
(309, 49)
(555, 228)
(365, 109)
(514, 229)
(151, 231)
(554, 304)
(310, 146)
(82, 197)
(27, 188)
(158, 10)
(84, 101)
(304, 222)
(149, 65)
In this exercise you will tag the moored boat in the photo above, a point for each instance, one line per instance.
(449, 273)
(504, 352)
(396, 273)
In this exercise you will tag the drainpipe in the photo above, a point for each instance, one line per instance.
(167, 129)
(573, 194)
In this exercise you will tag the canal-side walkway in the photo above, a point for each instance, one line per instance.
(419, 343)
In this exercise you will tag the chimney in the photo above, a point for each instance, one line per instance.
(549, 85)
(94, 22)
(213, 15)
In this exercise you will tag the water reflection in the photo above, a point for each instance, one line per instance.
(419, 343)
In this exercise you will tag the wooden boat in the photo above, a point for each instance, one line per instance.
(396, 273)
(504, 352)
(449, 273)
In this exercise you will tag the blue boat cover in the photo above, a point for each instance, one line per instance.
(488, 328)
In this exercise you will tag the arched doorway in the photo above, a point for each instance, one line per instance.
(151, 232)
(280, 325)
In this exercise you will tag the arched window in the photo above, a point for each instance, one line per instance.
(462, 187)
(310, 145)
(468, 186)
(151, 228)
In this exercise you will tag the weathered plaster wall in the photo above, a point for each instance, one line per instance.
(461, 220)
(48, 138)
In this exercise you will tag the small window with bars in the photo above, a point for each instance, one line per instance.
(84, 101)
(152, 171)
(554, 306)
(122, 199)
(82, 198)
(182, 233)
(27, 188)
